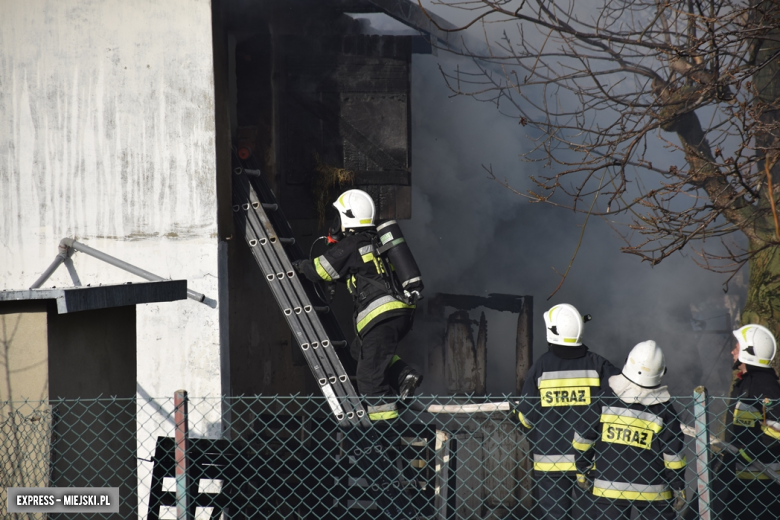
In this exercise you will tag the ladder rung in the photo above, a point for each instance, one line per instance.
(339, 343)
(288, 241)
(324, 309)
(270, 207)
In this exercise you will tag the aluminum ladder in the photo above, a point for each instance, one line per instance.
(270, 240)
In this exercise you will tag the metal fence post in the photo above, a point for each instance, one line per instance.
(181, 438)
(701, 425)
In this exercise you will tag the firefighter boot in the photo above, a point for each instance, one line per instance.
(403, 378)
(410, 381)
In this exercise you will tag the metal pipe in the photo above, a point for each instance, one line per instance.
(701, 428)
(78, 246)
(181, 436)
(61, 257)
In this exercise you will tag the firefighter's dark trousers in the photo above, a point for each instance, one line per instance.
(558, 497)
(621, 509)
(754, 499)
(374, 354)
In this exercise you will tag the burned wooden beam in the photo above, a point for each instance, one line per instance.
(460, 356)
(525, 343)
(481, 356)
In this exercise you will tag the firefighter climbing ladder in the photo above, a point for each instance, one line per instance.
(251, 200)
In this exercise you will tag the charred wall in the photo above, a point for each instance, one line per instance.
(319, 108)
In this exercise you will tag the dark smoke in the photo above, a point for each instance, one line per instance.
(472, 236)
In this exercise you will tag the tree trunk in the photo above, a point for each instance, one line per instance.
(763, 298)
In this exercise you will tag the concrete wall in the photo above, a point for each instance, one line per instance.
(107, 135)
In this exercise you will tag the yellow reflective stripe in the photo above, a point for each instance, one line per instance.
(570, 340)
(321, 270)
(632, 495)
(522, 420)
(383, 416)
(770, 431)
(562, 383)
(378, 267)
(395, 358)
(581, 446)
(745, 456)
(555, 466)
(381, 309)
(368, 257)
(679, 464)
(631, 421)
(365, 221)
(746, 418)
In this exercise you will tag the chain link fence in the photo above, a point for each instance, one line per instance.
(285, 457)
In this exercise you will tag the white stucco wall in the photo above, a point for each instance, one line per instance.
(107, 135)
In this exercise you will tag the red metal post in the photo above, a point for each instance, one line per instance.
(182, 441)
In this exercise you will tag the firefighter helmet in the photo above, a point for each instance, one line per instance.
(564, 325)
(356, 209)
(757, 345)
(645, 364)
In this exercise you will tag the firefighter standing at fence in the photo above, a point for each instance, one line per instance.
(558, 388)
(634, 438)
(755, 427)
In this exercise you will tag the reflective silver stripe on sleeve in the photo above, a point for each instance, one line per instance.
(568, 374)
(553, 459)
(773, 424)
(674, 458)
(374, 305)
(366, 249)
(744, 466)
(390, 407)
(582, 440)
(625, 412)
(628, 486)
(746, 407)
(329, 268)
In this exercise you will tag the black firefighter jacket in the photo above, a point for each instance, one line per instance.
(637, 448)
(353, 260)
(758, 440)
(556, 393)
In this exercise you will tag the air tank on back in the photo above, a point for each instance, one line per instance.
(393, 245)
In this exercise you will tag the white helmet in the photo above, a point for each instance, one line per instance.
(564, 325)
(356, 209)
(757, 345)
(645, 364)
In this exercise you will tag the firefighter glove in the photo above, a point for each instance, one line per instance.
(679, 500)
(584, 482)
(297, 265)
